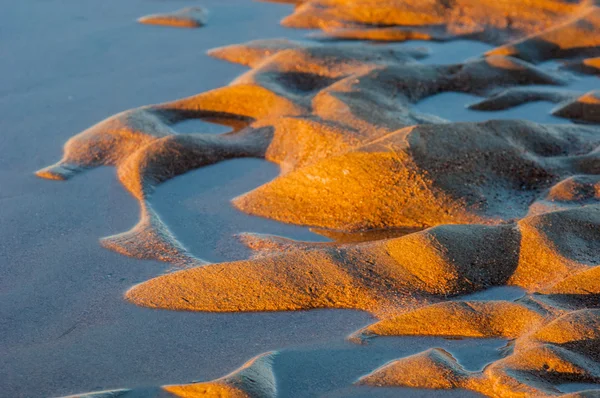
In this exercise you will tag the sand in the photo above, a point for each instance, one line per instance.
(64, 326)
(468, 206)
(190, 17)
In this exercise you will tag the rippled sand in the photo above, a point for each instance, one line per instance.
(500, 203)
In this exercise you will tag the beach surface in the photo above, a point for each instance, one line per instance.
(346, 218)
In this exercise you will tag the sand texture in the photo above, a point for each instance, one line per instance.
(422, 211)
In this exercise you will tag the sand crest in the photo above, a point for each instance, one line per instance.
(563, 350)
(255, 379)
(191, 17)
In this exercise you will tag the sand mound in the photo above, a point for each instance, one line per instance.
(579, 290)
(492, 21)
(576, 189)
(513, 97)
(255, 379)
(378, 276)
(585, 108)
(150, 239)
(564, 350)
(572, 105)
(557, 245)
(191, 17)
(579, 36)
(109, 142)
(588, 65)
(461, 318)
(420, 182)
(434, 368)
(388, 275)
(536, 30)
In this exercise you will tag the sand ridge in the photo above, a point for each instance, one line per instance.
(496, 203)
(190, 17)
(255, 379)
(562, 350)
(389, 276)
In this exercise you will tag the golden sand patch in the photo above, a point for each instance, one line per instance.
(191, 17)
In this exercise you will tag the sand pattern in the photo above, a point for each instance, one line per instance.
(496, 203)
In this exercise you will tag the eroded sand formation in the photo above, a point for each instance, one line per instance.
(498, 203)
(255, 379)
(561, 351)
(191, 17)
